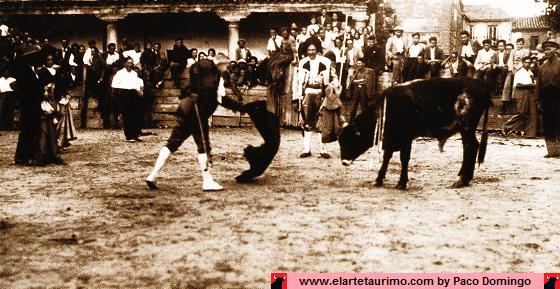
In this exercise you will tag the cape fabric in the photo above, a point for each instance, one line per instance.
(268, 126)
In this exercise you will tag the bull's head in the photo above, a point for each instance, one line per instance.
(357, 137)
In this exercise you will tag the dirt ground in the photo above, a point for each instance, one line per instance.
(92, 224)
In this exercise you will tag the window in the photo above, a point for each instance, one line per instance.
(492, 34)
(534, 42)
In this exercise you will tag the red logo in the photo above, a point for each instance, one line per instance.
(278, 280)
(551, 280)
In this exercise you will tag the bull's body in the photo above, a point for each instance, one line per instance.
(435, 108)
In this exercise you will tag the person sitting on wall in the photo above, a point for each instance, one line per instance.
(242, 52)
(178, 60)
(433, 56)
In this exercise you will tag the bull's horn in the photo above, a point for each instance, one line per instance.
(275, 277)
(547, 278)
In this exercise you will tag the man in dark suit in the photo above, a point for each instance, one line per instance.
(161, 64)
(178, 60)
(373, 55)
(63, 54)
(324, 19)
(548, 97)
(433, 56)
(361, 86)
(502, 63)
(30, 96)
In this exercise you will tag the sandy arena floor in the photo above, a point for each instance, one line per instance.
(92, 224)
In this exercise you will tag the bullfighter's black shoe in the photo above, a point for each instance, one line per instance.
(325, 156)
(305, 155)
(151, 185)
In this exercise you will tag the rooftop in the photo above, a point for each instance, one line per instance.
(485, 13)
(531, 23)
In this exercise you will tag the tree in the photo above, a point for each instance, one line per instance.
(552, 13)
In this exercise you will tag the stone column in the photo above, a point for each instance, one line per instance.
(112, 35)
(360, 19)
(111, 22)
(233, 37)
(233, 19)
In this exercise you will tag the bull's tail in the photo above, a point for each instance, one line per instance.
(484, 138)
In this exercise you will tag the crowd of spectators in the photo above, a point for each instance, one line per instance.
(349, 47)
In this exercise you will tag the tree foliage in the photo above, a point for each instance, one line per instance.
(552, 13)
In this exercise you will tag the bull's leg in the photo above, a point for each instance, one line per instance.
(470, 148)
(405, 157)
(387, 154)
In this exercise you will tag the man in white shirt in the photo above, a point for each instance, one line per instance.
(274, 42)
(519, 53)
(483, 62)
(88, 53)
(411, 64)
(526, 118)
(134, 54)
(7, 100)
(394, 52)
(128, 87)
(301, 37)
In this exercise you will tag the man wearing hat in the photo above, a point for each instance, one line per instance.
(548, 97)
(395, 48)
(241, 52)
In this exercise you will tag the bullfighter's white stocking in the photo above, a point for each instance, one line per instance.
(324, 149)
(164, 154)
(306, 141)
(208, 183)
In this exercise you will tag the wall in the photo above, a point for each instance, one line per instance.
(199, 30)
(429, 18)
(527, 36)
(480, 30)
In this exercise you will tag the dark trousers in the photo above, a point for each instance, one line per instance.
(7, 107)
(434, 69)
(500, 74)
(410, 67)
(359, 98)
(551, 113)
(132, 112)
(176, 69)
(189, 122)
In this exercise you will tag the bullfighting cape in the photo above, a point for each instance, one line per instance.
(268, 126)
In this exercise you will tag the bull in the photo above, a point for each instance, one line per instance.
(551, 282)
(436, 108)
(278, 282)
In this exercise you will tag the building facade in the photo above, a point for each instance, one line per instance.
(532, 29)
(204, 24)
(439, 18)
(487, 22)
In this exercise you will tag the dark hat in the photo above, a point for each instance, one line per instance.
(550, 44)
(240, 40)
